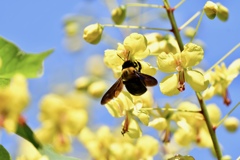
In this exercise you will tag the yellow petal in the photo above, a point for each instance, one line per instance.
(158, 123)
(192, 54)
(166, 62)
(196, 80)
(209, 93)
(134, 130)
(137, 45)
(148, 68)
(168, 85)
(233, 69)
(111, 58)
(214, 113)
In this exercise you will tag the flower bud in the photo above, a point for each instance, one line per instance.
(189, 32)
(82, 83)
(214, 113)
(93, 33)
(71, 28)
(210, 9)
(222, 13)
(96, 89)
(231, 124)
(119, 14)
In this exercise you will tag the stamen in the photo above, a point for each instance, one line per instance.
(126, 125)
(226, 99)
(181, 81)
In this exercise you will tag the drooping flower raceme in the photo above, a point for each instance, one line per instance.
(14, 99)
(131, 107)
(61, 117)
(102, 144)
(182, 63)
(220, 79)
(134, 48)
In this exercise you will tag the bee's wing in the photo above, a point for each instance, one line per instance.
(113, 91)
(148, 80)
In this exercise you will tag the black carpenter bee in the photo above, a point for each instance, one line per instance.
(134, 81)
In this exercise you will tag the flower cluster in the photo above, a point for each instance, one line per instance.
(192, 127)
(14, 99)
(216, 9)
(61, 117)
(131, 107)
(158, 43)
(102, 144)
(220, 79)
(92, 83)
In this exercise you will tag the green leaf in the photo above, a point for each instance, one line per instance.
(4, 82)
(25, 132)
(4, 155)
(46, 150)
(14, 60)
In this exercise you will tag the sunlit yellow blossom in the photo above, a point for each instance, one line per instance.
(28, 152)
(158, 123)
(61, 117)
(128, 106)
(192, 127)
(103, 144)
(182, 62)
(134, 48)
(220, 79)
(14, 99)
(158, 44)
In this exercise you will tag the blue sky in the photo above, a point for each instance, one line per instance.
(36, 26)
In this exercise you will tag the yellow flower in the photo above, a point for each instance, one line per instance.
(158, 43)
(220, 79)
(182, 62)
(28, 152)
(60, 120)
(103, 144)
(14, 99)
(134, 48)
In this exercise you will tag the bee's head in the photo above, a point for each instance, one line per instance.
(128, 64)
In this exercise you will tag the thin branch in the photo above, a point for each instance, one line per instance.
(143, 5)
(198, 24)
(224, 57)
(179, 4)
(222, 120)
(135, 27)
(190, 20)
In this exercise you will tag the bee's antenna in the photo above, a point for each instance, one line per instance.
(120, 57)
